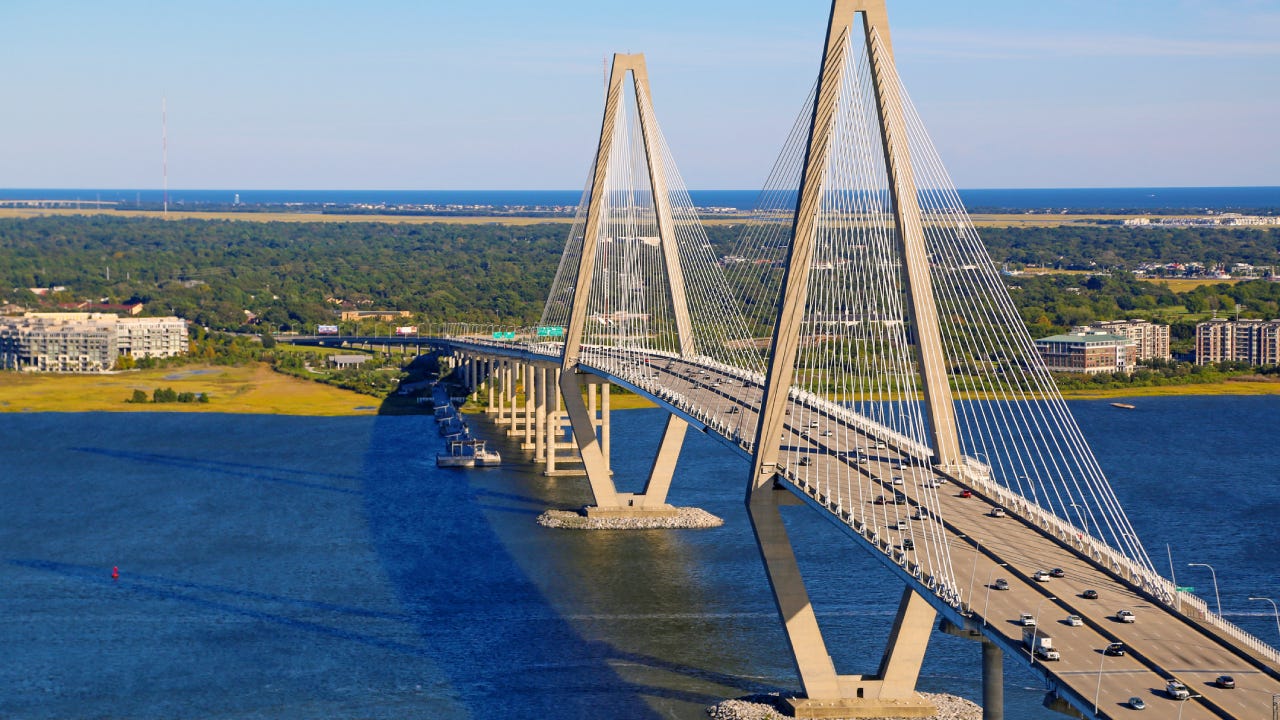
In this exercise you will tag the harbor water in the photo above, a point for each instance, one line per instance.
(285, 567)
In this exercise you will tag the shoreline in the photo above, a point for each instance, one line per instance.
(251, 388)
(981, 220)
(254, 388)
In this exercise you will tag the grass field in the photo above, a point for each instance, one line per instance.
(254, 388)
(1228, 387)
(251, 388)
(1181, 285)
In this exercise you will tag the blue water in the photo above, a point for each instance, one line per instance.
(279, 567)
(1215, 198)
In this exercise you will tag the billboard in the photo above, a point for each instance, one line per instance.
(326, 329)
(407, 330)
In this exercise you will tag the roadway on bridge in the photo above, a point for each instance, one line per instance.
(1159, 644)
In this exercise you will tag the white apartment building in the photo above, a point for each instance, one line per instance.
(85, 342)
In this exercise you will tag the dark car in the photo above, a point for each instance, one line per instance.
(804, 461)
(880, 500)
(1114, 649)
(1089, 594)
(1057, 573)
(908, 544)
(1225, 681)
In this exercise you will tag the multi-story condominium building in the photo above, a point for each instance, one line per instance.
(1089, 352)
(1151, 339)
(85, 342)
(1256, 342)
(152, 336)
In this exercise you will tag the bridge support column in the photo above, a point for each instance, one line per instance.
(906, 647)
(506, 393)
(489, 383)
(808, 649)
(583, 426)
(827, 694)
(524, 427)
(664, 465)
(992, 681)
(540, 416)
(604, 421)
(553, 419)
(499, 391)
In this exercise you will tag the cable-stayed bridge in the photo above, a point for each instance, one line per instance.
(857, 348)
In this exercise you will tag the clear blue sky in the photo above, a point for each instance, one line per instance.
(436, 94)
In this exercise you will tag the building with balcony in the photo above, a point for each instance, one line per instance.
(1256, 342)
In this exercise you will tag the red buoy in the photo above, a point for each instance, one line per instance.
(115, 573)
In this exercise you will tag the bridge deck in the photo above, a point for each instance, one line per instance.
(1160, 644)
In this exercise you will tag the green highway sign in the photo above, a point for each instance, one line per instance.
(504, 336)
(1187, 588)
(551, 331)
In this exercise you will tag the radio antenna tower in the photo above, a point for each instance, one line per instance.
(164, 152)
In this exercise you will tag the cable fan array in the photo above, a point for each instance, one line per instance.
(632, 312)
(856, 350)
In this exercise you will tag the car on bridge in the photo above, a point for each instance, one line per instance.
(908, 544)
(1089, 594)
(1125, 616)
(1137, 703)
(1074, 621)
(966, 494)
(1226, 682)
(1000, 584)
(997, 512)
(1057, 573)
(1040, 576)
(1176, 690)
(1027, 620)
(1114, 649)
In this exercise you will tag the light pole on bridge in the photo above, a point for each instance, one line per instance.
(1036, 628)
(988, 596)
(1274, 609)
(1183, 703)
(1097, 690)
(1214, 575)
(1084, 521)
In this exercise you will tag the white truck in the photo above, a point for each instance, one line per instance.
(1040, 645)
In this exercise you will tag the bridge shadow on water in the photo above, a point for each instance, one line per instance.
(240, 470)
(485, 610)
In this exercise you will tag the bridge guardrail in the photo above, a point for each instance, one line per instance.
(973, 473)
(1141, 577)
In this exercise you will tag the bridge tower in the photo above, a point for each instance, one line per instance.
(891, 690)
(608, 197)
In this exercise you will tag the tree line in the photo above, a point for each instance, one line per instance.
(285, 276)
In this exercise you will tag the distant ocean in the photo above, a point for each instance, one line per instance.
(1149, 199)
